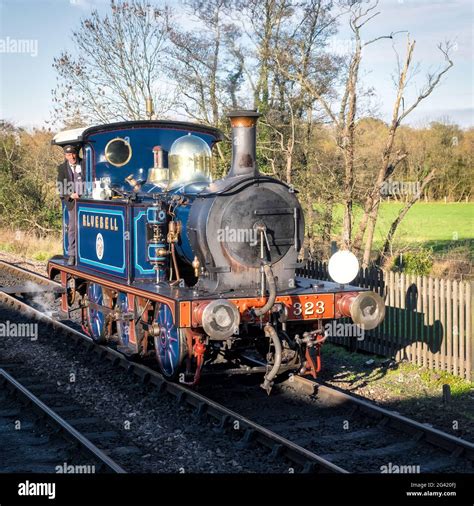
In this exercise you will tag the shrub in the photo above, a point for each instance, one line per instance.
(418, 262)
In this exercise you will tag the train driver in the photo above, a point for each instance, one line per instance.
(71, 178)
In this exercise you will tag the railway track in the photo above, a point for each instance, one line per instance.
(454, 446)
(35, 438)
(223, 418)
(348, 430)
(366, 436)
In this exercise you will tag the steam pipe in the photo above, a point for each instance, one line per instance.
(270, 332)
(272, 292)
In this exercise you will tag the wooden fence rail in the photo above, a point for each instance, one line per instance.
(428, 321)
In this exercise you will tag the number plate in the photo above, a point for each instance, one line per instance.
(309, 307)
(299, 307)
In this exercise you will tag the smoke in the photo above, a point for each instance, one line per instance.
(43, 300)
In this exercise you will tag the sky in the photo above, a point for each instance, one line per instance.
(45, 28)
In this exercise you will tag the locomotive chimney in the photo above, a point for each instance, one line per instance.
(244, 143)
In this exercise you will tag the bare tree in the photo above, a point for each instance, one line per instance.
(408, 205)
(390, 160)
(290, 114)
(263, 22)
(118, 64)
(345, 122)
(208, 79)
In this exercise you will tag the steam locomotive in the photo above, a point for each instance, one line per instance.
(194, 271)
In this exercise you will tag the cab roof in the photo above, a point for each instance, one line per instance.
(78, 135)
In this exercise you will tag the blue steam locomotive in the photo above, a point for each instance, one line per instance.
(196, 271)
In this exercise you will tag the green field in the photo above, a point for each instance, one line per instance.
(437, 225)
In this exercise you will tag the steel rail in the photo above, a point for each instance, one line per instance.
(295, 452)
(438, 438)
(254, 432)
(52, 418)
(25, 273)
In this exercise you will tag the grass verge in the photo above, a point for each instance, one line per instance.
(29, 245)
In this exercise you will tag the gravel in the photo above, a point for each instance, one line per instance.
(169, 436)
(410, 390)
(173, 441)
(26, 263)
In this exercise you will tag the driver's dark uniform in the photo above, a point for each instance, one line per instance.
(71, 180)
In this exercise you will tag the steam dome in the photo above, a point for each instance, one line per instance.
(189, 160)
